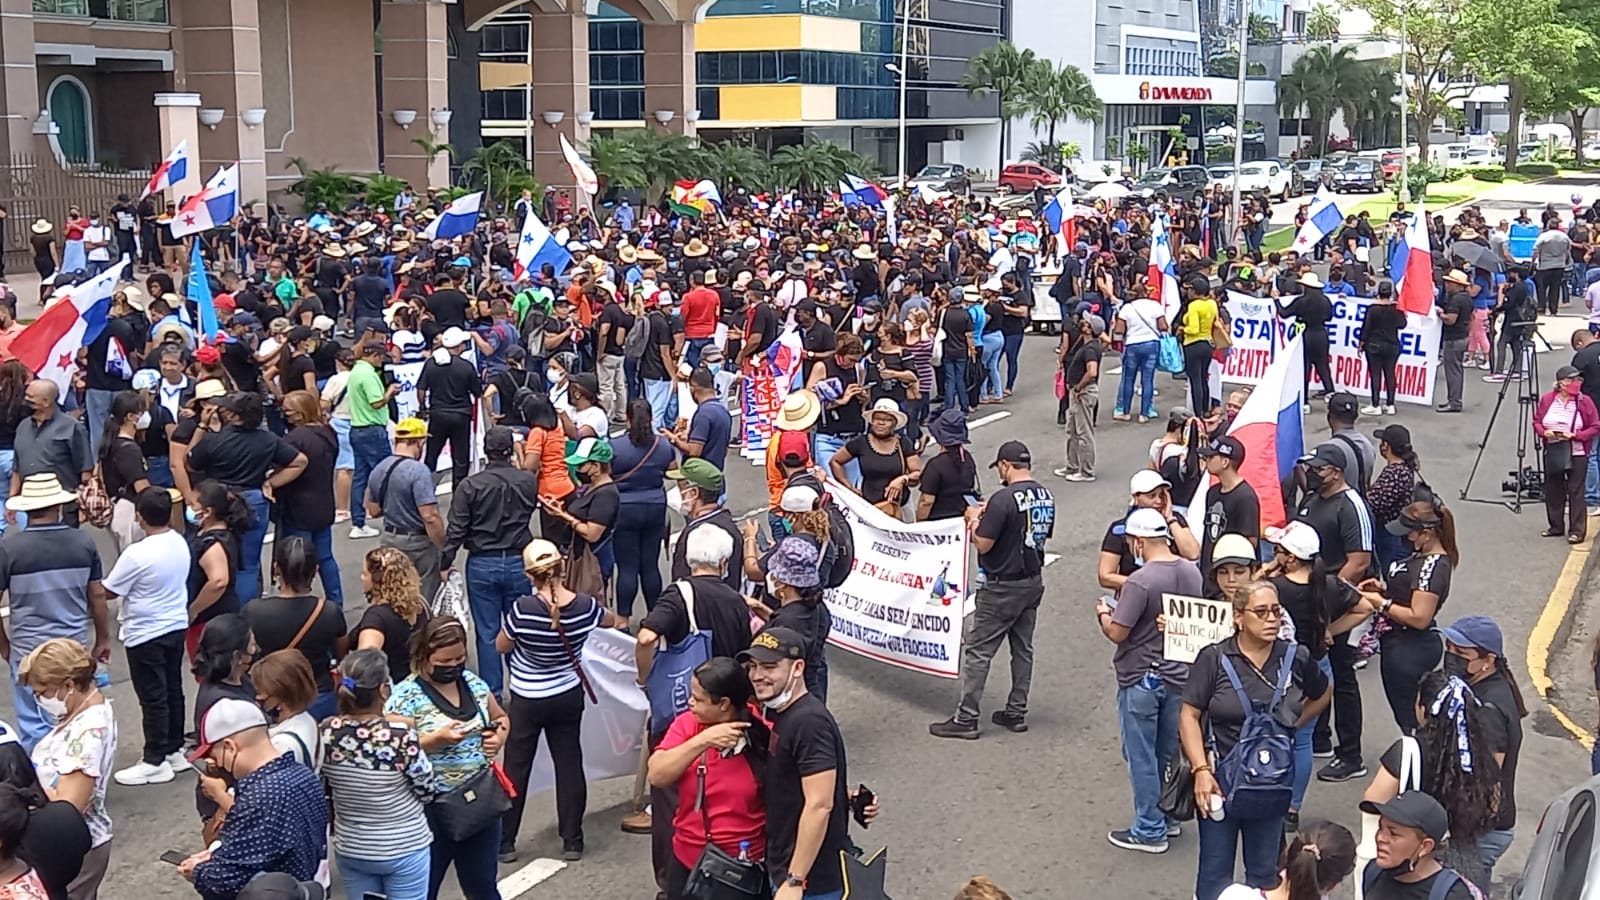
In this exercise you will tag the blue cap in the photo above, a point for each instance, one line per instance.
(1476, 632)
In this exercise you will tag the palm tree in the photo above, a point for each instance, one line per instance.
(815, 166)
(1325, 77)
(617, 162)
(433, 147)
(1262, 29)
(501, 171)
(1055, 94)
(731, 164)
(1000, 70)
(1322, 23)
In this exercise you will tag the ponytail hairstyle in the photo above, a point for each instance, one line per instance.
(721, 677)
(229, 507)
(296, 561)
(363, 675)
(123, 405)
(222, 641)
(1457, 759)
(1319, 589)
(1440, 520)
(1321, 856)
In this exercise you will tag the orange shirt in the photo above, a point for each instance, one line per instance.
(551, 449)
(6, 337)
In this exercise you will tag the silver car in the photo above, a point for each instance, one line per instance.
(1564, 849)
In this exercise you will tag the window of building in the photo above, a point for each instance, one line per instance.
(510, 103)
(504, 40)
(618, 104)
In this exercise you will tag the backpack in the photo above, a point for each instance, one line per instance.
(667, 686)
(524, 393)
(1439, 890)
(843, 543)
(1257, 775)
(638, 339)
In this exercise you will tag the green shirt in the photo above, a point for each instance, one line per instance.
(366, 387)
(286, 291)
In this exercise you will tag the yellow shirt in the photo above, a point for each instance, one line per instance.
(1197, 320)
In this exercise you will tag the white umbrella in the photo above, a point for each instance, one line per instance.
(1109, 190)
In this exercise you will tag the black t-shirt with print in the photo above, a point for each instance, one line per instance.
(1229, 512)
(806, 741)
(1116, 541)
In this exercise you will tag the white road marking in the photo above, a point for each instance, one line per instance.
(526, 878)
(991, 417)
(1051, 557)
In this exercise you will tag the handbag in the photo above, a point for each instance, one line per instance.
(478, 803)
(893, 508)
(1558, 457)
(1221, 338)
(584, 575)
(716, 875)
(1169, 355)
(1177, 789)
(94, 504)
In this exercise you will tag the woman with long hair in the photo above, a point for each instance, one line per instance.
(1461, 747)
(1319, 857)
(641, 462)
(46, 254)
(1391, 490)
(1200, 314)
(545, 454)
(794, 582)
(1176, 455)
(294, 613)
(720, 741)
(75, 759)
(14, 378)
(1225, 681)
(918, 356)
(305, 506)
(1381, 325)
(461, 728)
(121, 463)
(1408, 603)
(1566, 422)
(395, 609)
(1139, 323)
(378, 780)
(294, 369)
(221, 663)
(18, 879)
(214, 558)
(544, 634)
(57, 837)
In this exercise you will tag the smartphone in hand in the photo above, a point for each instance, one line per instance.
(174, 857)
(858, 805)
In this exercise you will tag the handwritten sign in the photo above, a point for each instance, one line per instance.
(1193, 624)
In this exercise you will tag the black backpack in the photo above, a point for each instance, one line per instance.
(843, 543)
(1439, 890)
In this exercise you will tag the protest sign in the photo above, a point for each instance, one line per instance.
(613, 728)
(1258, 331)
(1193, 624)
(902, 603)
(767, 381)
(405, 405)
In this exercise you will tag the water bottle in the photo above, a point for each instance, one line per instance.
(1216, 814)
(744, 851)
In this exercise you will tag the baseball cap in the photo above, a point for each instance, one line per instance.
(1146, 481)
(798, 498)
(1566, 372)
(794, 448)
(245, 320)
(1225, 446)
(1015, 452)
(590, 449)
(1298, 539)
(322, 323)
(371, 347)
(1476, 632)
(1343, 404)
(1397, 436)
(225, 719)
(1325, 455)
(300, 333)
(225, 301)
(454, 337)
(146, 379)
(499, 442)
(701, 473)
(1233, 548)
(772, 644)
(410, 429)
(1412, 809)
(1146, 523)
(281, 886)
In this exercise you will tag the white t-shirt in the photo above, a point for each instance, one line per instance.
(152, 578)
(1140, 319)
(1241, 892)
(97, 234)
(297, 736)
(87, 743)
(337, 386)
(595, 418)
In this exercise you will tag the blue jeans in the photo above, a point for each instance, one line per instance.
(955, 385)
(8, 461)
(1493, 845)
(493, 584)
(659, 393)
(370, 444)
(636, 544)
(630, 375)
(812, 895)
(1148, 712)
(1303, 759)
(475, 862)
(32, 726)
(1220, 846)
(327, 566)
(96, 409)
(823, 447)
(404, 878)
(692, 348)
(1591, 481)
(1013, 359)
(993, 343)
(1138, 360)
(159, 468)
(251, 542)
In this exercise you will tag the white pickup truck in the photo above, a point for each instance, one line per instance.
(1267, 179)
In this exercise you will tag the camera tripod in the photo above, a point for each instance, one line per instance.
(1526, 482)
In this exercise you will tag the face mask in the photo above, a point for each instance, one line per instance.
(714, 367)
(54, 707)
(870, 320)
(1314, 479)
(585, 477)
(1457, 666)
(190, 516)
(782, 699)
(143, 421)
(273, 714)
(446, 674)
(1572, 388)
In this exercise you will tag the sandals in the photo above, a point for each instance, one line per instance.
(1551, 532)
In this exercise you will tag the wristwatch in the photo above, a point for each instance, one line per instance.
(1384, 609)
(793, 880)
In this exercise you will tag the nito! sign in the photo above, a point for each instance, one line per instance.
(1148, 91)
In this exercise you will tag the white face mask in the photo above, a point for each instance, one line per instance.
(777, 703)
(54, 707)
(553, 376)
(144, 420)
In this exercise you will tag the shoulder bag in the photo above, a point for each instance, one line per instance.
(94, 504)
(566, 644)
(481, 800)
(892, 508)
(305, 627)
(716, 874)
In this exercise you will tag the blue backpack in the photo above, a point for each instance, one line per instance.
(1442, 883)
(1257, 775)
(667, 687)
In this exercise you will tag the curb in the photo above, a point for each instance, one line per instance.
(1555, 624)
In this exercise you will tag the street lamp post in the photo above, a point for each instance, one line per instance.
(1405, 113)
(904, 72)
(1238, 122)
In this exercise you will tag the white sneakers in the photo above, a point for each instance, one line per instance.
(177, 762)
(1388, 409)
(1372, 410)
(363, 531)
(143, 773)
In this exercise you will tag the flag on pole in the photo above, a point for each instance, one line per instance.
(536, 246)
(172, 170)
(857, 191)
(580, 170)
(198, 289)
(75, 317)
(1162, 276)
(694, 198)
(894, 223)
(460, 216)
(1411, 266)
(217, 203)
(1205, 232)
(1271, 427)
(1322, 219)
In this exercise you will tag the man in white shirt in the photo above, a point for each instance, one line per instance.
(152, 579)
(97, 243)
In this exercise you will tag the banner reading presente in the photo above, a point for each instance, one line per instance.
(1258, 331)
(1192, 624)
(902, 603)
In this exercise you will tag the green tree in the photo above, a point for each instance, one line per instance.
(1318, 82)
(1322, 23)
(331, 186)
(1435, 73)
(1294, 92)
(1522, 45)
(1000, 70)
(811, 166)
(1042, 152)
(1263, 30)
(500, 170)
(617, 162)
(381, 190)
(433, 147)
(1054, 95)
(731, 164)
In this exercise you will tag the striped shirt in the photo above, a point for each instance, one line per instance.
(47, 570)
(378, 780)
(541, 665)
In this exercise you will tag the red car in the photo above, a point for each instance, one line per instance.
(1391, 164)
(1021, 177)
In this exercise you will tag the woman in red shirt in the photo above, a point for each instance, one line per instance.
(73, 256)
(719, 732)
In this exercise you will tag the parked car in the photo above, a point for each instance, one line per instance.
(950, 177)
(1022, 177)
(1221, 178)
(1264, 178)
(1390, 160)
(1297, 182)
(1360, 174)
(1563, 854)
(1187, 182)
(1314, 173)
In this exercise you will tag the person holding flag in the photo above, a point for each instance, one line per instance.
(213, 207)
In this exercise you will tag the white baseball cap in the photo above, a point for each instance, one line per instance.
(1146, 523)
(1145, 481)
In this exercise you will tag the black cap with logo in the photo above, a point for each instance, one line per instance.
(1014, 452)
(773, 644)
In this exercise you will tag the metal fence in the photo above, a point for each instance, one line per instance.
(32, 187)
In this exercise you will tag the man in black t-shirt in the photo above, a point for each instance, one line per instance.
(369, 292)
(761, 325)
(446, 393)
(611, 334)
(701, 486)
(448, 305)
(1456, 314)
(1010, 531)
(1231, 506)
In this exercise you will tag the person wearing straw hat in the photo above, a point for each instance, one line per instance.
(1313, 309)
(1456, 315)
(888, 461)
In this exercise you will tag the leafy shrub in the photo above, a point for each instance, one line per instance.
(1494, 175)
(1537, 170)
